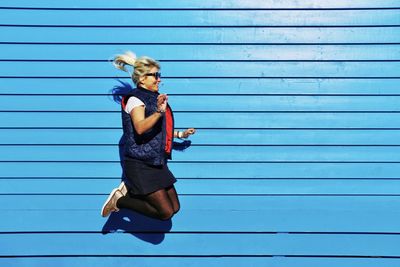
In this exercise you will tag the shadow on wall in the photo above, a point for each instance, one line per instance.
(145, 228)
(118, 92)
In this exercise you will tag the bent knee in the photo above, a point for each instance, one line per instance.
(176, 209)
(166, 214)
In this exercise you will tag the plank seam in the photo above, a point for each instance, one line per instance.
(210, 195)
(215, 111)
(212, 129)
(202, 145)
(205, 161)
(206, 77)
(204, 60)
(197, 26)
(204, 94)
(205, 178)
(194, 44)
(198, 256)
(208, 232)
(198, 9)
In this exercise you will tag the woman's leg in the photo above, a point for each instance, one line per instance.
(173, 197)
(156, 205)
(161, 202)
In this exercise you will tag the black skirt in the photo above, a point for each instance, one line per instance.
(143, 179)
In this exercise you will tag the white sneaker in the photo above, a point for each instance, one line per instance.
(111, 203)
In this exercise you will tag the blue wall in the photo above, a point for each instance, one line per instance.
(296, 160)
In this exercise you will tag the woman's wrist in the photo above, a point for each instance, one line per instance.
(179, 134)
(160, 111)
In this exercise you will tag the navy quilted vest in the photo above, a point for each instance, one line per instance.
(149, 146)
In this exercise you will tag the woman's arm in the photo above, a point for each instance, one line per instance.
(143, 124)
(184, 134)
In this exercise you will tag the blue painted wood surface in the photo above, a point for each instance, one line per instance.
(193, 86)
(213, 120)
(296, 158)
(209, 213)
(254, 137)
(309, 4)
(209, 153)
(245, 170)
(201, 261)
(210, 186)
(206, 52)
(199, 36)
(194, 261)
(190, 18)
(200, 103)
(208, 244)
(214, 70)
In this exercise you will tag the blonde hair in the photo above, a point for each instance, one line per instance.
(141, 66)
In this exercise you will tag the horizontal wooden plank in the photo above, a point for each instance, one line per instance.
(211, 186)
(206, 137)
(201, 52)
(241, 103)
(208, 120)
(204, 244)
(207, 170)
(204, 4)
(209, 153)
(200, 17)
(201, 35)
(32, 213)
(191, 86)
(198, 261)
(206, 69)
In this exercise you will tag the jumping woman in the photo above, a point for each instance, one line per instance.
(148, 126)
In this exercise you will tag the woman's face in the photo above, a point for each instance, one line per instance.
(150, 81)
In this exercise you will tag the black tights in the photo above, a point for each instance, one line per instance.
(162, 204)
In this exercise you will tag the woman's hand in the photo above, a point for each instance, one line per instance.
(188, 132)
(162, 101)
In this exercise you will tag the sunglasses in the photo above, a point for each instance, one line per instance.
(156, 75)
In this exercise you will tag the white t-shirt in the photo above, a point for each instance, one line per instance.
(133, 102)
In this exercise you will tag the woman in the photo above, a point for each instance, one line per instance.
(148, 126)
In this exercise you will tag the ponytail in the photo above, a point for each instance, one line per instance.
(120, 61)
(140, 65)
